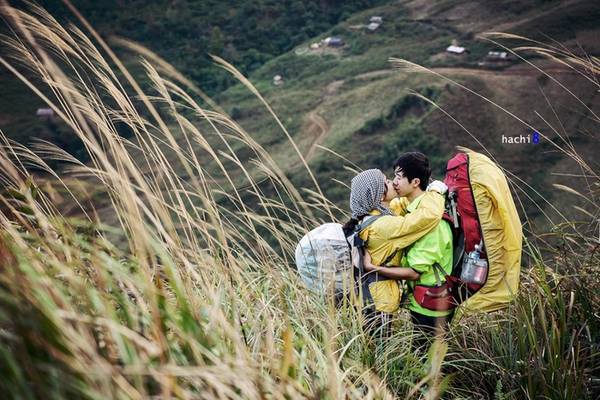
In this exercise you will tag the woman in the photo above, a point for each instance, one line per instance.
(370, 195)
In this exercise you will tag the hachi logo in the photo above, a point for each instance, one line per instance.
(532, 138)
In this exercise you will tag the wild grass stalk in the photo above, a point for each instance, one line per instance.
(190, 294)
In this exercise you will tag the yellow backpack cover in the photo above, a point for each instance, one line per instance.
(502, 235)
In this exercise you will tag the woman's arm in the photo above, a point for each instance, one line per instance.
(403, 231)
(398, 206)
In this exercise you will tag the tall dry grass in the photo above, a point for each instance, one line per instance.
(178, 282)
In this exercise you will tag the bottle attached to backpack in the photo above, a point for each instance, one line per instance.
(474, 268)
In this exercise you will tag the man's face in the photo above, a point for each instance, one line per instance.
(401, 184)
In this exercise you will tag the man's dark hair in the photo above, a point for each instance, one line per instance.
(414, 165)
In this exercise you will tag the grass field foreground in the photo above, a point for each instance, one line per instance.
(190, 293)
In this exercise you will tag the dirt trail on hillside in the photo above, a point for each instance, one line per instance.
(318, 128)
(315, 125)
(518, 70)
(508, 26)
(514, 71)
(372, 74)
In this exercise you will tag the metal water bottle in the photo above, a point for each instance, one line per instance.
(475, 268)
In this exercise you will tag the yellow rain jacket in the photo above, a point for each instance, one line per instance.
(390, 234)
(502, 236)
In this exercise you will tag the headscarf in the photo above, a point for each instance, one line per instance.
(366, 191)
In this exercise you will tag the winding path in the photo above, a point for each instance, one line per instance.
(317, 127)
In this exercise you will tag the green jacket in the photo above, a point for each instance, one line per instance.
(434, 247)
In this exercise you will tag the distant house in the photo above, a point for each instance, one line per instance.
(376, 19)
(497, 56)
(335, 42)
(277, 80)
(314, 46)
(373, 26)
(45, 113)
(332, 42)
(456, 49)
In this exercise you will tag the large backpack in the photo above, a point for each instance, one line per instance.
(487, 230)
(329, 262)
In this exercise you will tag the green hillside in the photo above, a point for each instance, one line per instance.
(349, 99)
(369, 117)
(248, 34)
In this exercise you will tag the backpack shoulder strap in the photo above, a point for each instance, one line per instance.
(451, 212)
(360, 244)
(437, 271)
(367, 221)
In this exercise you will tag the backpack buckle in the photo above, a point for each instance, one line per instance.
(358, 242)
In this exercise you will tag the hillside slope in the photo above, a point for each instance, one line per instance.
(350, 100)
(371, 119)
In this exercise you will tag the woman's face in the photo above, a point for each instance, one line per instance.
(390, 192)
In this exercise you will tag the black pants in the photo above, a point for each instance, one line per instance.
(378, 324)
(427, 328)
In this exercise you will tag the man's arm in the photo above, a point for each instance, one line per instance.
(397, 273)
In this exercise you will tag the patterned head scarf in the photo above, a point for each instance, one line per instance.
(366, 191)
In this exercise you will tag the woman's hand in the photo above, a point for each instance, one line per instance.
(367, 263)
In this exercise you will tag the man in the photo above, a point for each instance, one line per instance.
(412, 173)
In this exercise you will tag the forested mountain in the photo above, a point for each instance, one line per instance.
(246, 33)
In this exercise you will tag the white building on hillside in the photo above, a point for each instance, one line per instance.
(45, 113)
(456, 49)
(373, 26)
